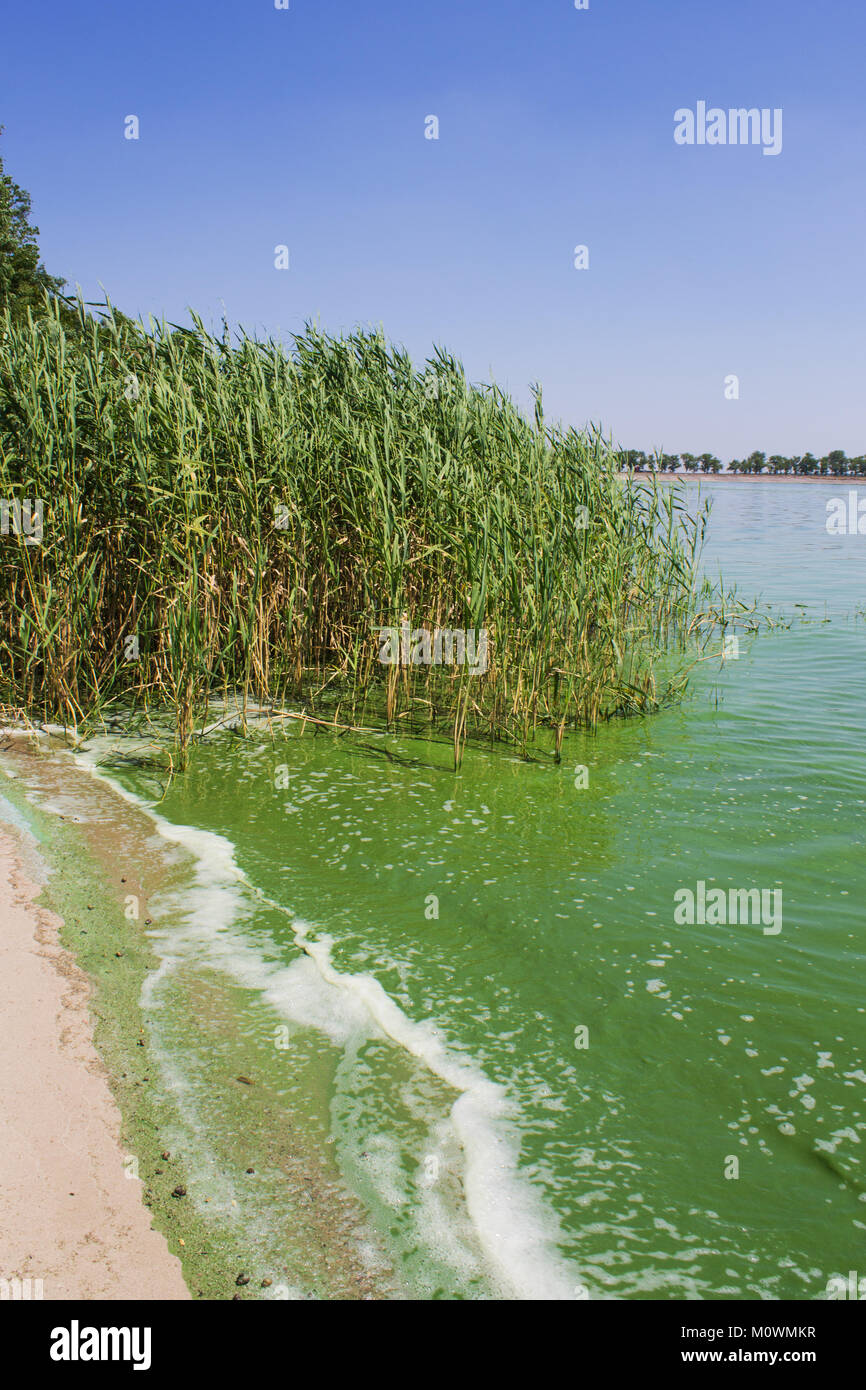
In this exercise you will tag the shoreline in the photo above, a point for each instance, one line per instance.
(750, 477)
(69, 1216)
(91, 849)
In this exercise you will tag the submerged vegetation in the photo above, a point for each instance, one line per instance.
(234, 519)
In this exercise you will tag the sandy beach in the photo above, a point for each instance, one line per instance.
(70, 1215)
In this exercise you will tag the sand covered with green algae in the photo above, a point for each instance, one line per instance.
(98, 851)
(71, 1223)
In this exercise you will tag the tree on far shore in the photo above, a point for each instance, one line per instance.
(836, 464)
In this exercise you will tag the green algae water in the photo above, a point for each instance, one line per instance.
(469, 1006)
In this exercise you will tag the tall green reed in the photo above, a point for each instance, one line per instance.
(234, 518)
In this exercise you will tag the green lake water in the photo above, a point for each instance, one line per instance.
(522, 1074)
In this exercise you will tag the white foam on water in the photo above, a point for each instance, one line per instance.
(299, 993)
(440, 1226)
(514, 1229)
(517, 1233)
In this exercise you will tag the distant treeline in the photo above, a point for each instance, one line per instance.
(836, 464)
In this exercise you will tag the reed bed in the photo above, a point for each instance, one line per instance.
(235, 518)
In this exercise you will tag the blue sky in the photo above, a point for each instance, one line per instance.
(305, 127)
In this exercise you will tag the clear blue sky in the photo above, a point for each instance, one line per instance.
(306, 127)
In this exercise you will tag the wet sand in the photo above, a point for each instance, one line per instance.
(69, 1214)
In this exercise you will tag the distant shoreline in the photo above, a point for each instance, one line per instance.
(755, 477)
